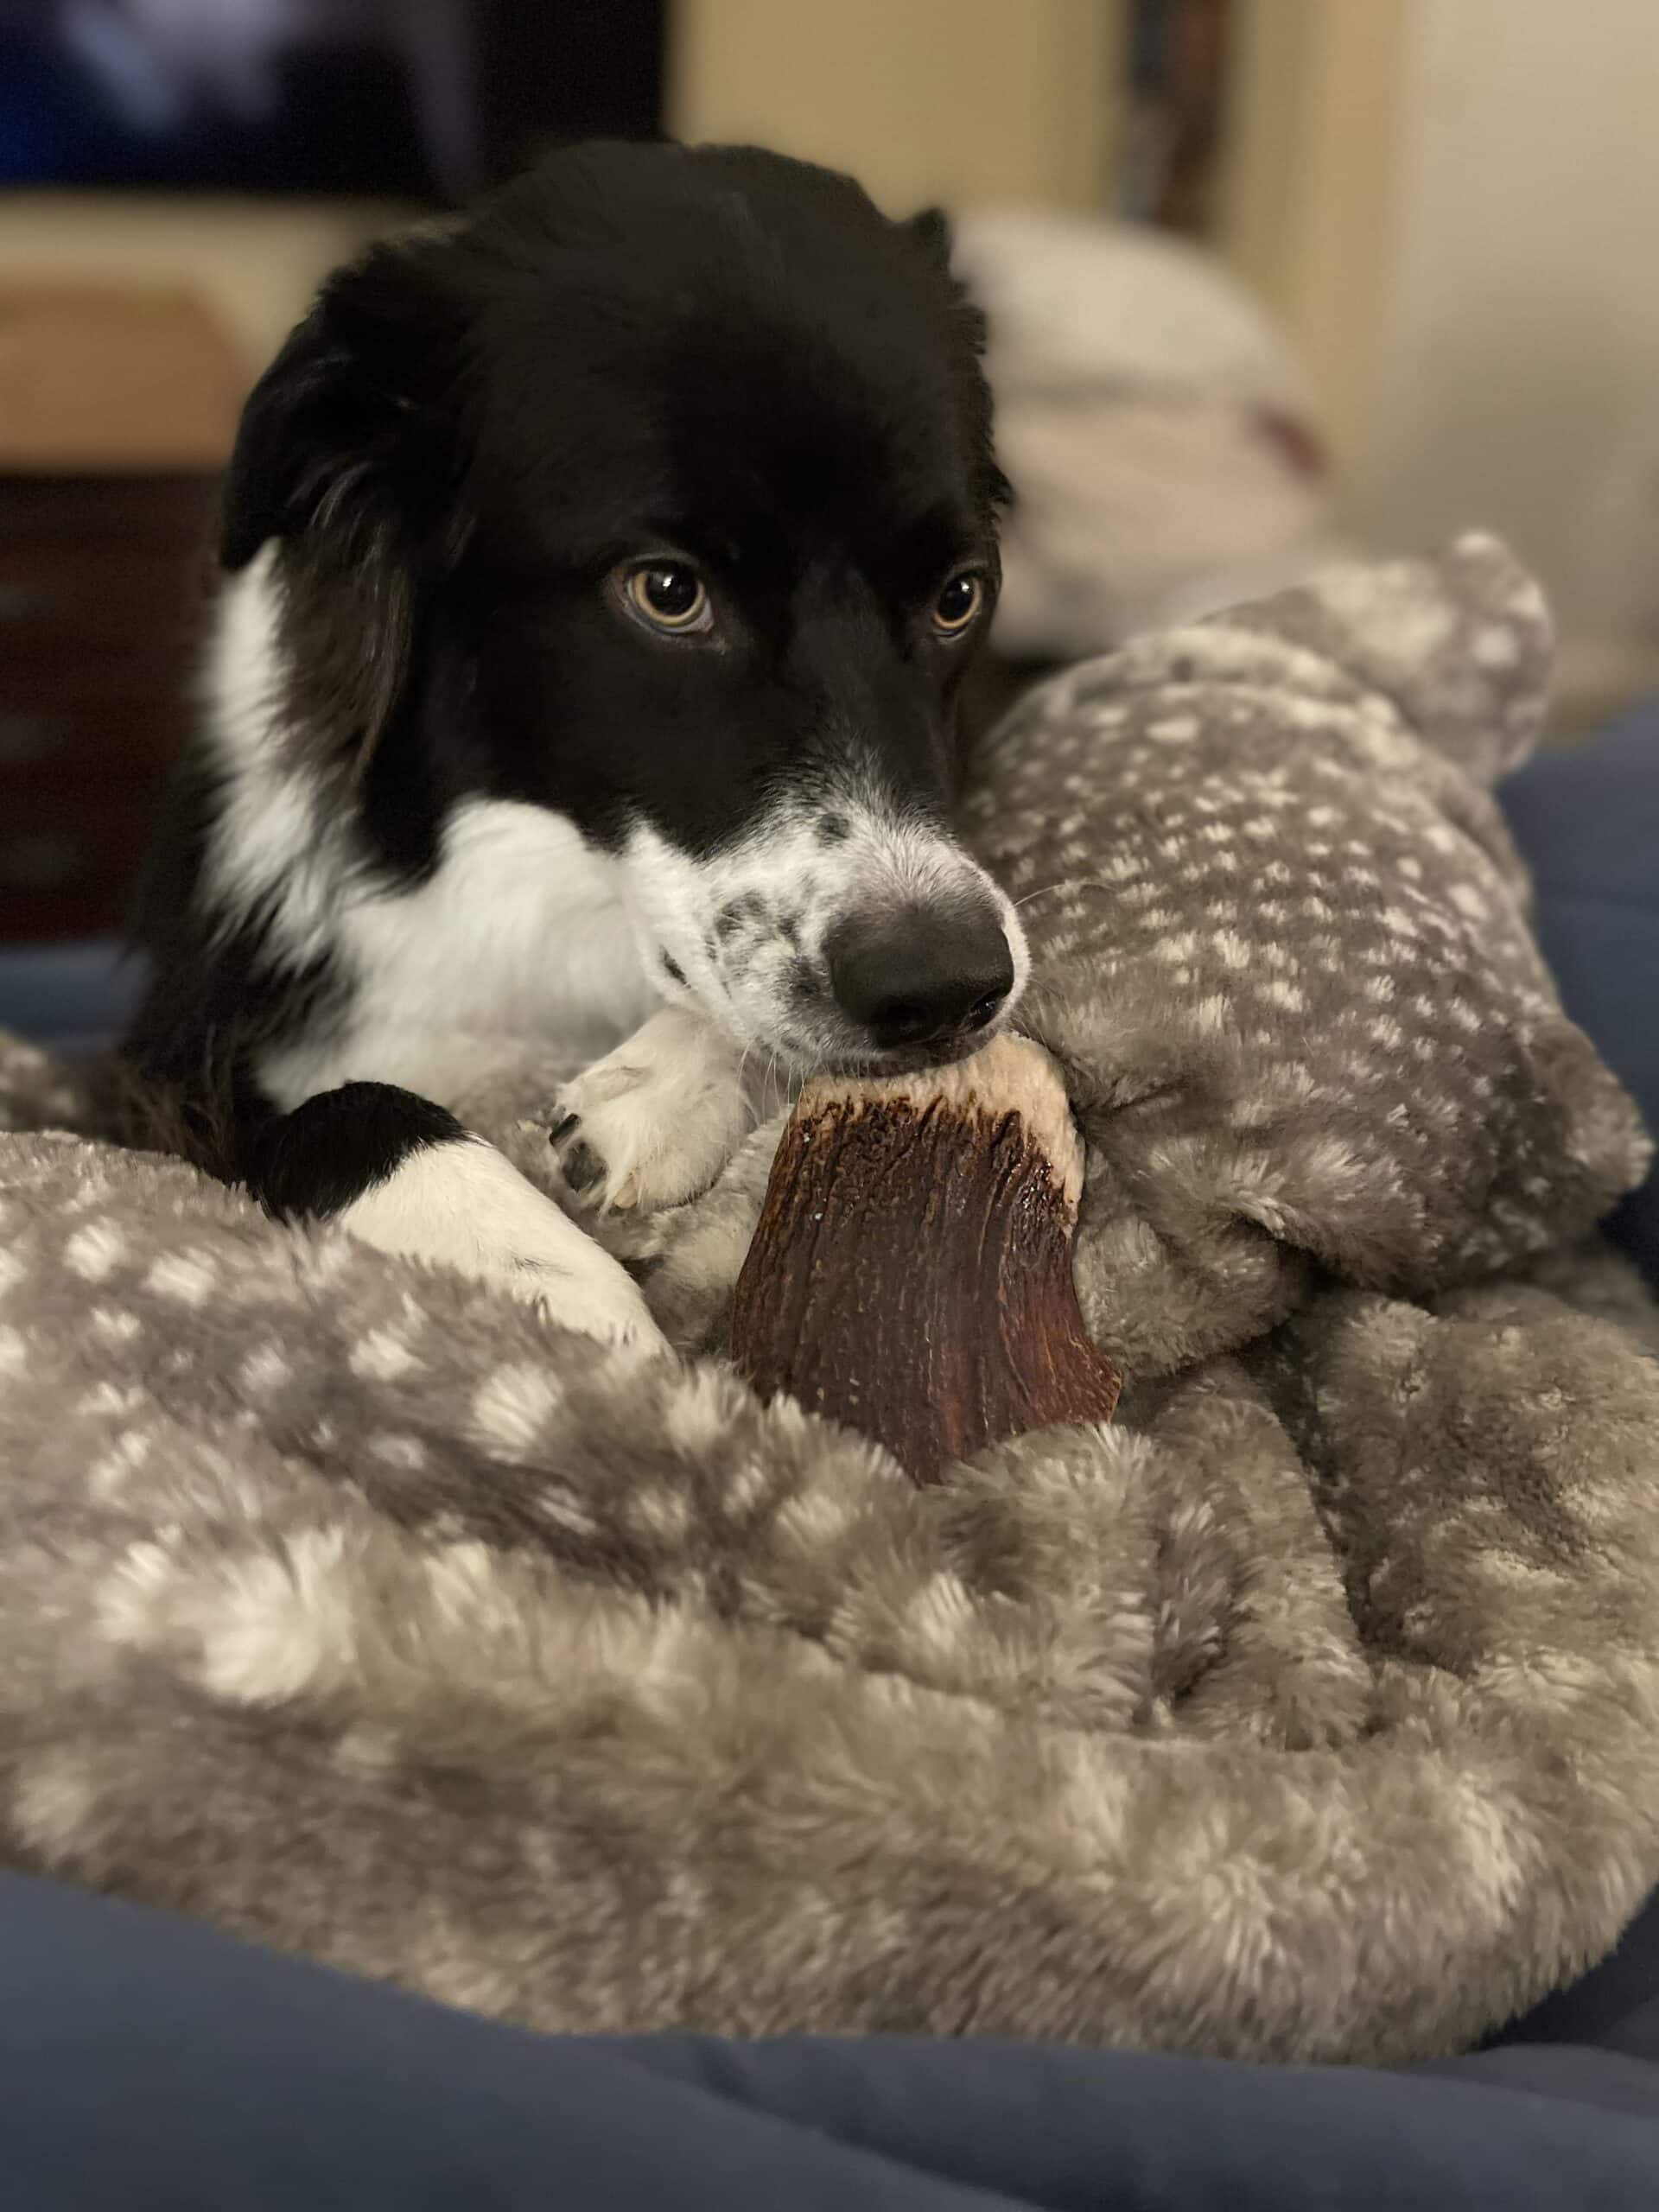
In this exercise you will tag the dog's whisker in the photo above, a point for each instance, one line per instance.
(1071, 883)
(746, 1055)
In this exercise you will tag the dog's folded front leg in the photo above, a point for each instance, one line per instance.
(654, 1122)
(407, 1177)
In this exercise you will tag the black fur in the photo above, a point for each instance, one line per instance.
(313, 1163)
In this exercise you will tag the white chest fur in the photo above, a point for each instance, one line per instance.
(517, 945)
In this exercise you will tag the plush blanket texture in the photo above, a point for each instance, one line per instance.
(1311, 1711)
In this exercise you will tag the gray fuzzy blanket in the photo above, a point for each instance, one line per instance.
(1309, 1712)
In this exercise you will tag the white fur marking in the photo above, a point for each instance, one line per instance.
(264, 1370)
(94, 1251)
(399, 1451)
(518, 942)
(512, 1410)
(382, 1357)
(269, 848)
(463, 1205)
(696, 1412)
(179, 1275)
(274, 1627)
(115, 1324)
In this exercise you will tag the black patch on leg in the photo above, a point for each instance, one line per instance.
(582, 1167)
(312, 1164)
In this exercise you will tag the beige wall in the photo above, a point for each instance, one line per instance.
(1307, 205)
(255, 266)
(1519, 362)
(1452, 205)
(964, 101)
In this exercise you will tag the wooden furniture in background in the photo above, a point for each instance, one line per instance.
(100, 586)
(116, 412)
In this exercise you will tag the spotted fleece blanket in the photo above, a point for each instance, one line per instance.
(1310, 1711)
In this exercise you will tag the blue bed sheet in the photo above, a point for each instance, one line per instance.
(152, 2065)
(72, 996)
(1587, 820)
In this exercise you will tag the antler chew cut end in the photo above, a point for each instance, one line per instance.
(911, 1273)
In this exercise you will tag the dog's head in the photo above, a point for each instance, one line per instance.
(660, 493)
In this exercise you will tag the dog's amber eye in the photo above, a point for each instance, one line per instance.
(958, 603)
(669, 595)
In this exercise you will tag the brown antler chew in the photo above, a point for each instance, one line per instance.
(911, 1275)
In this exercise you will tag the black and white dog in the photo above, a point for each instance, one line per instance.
(600, 573)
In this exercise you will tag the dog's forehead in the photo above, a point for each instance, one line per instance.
(789, 424)
(739, 436)
(747, 373)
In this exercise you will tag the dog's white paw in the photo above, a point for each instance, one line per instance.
(588, 1291)
(463, 1205)
(653, 1122)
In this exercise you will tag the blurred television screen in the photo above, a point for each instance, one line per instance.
(419, 100)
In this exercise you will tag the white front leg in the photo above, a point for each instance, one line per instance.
(654, 1122)
(463, 1205)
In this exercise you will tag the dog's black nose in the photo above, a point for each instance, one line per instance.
(919, 978)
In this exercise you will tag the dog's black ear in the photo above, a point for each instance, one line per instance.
(348, 456)
(931, 232)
